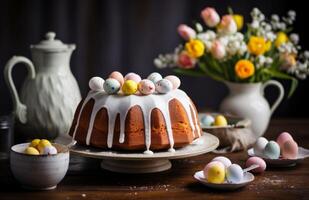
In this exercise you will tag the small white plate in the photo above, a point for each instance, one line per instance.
(248, 177)
(281, 162)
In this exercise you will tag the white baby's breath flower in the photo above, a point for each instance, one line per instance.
(198, 27)
(255, 24)
(294, 38)
(275, 18)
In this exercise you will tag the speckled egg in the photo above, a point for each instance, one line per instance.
(129, 87)
(118, 76)
(146, 87)
(225, 161)
(111, 86)
(234, 174)
(257, 161)
(282, 138)
(289, 150)
(133, 76)
(214, 172)
(31, 151)
(207, 120)
(259, 146)
(49, 150)
(96, 83)
(154, 77)
(272, 150)
(174, 80)
(164, 86)
(220, 120)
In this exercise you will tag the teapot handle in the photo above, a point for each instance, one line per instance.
(280, 96)
(20, 109)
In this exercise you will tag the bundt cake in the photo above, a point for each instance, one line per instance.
(119, 121)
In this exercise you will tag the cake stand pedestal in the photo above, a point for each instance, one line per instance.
(138, 163)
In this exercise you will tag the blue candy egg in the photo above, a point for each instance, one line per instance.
(272, 150)
(154, 77)
(207, 120)
(234, 174)
(111, 86)
(164, 86)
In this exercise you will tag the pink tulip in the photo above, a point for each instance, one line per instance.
(217, 50)
(186, 32)
(185, 61)
(228, 25)
(210, 17)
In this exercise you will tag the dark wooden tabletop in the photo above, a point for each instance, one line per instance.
(85, 179)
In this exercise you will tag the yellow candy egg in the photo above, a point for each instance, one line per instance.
(129, 87)
(220, 120)
(43, 143)
(34, 143)
(32, 151)
(216, 174)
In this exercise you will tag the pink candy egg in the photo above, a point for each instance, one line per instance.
(282, 138)
(133, 76)
(174, 80)
(118, 76)
(211, 164)
(289, 150)
(146, 87)
(258, 161)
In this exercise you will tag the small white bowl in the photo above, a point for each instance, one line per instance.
(39, 172)
(248, 177)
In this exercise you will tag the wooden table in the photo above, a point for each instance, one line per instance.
(85, 179)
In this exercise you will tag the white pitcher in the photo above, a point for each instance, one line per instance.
(247, 100)
(50, 93)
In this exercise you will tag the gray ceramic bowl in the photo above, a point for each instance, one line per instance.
(39, 172)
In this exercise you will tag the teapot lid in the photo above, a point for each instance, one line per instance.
(52, 44)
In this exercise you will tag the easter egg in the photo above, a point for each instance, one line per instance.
(146, 87)
(42, 144)
(234, 174)
(282, 138)
(207, 120)
(289, 150)
(49, 150)
(174, 80)
(129, 87)
(214, 172)
(118, 76)
(224, 160)
(34, 143)
(154, 77)
(259, 146)
(256, 161)
(111, 86)
(164, 86)
(220, 120)
(32, 151)
(96, 83)
(133, 76)
(272, 150)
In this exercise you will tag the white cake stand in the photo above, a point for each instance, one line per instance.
(138, 163)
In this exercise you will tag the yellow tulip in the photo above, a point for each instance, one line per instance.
(244, 69)
(258, 45)
(281, 39)
(239, 20)
(195, 48)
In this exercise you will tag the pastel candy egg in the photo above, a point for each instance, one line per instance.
(42, 144)
(207, 120)
(256, 161)
(111, 86)
(34, 143)
(96, 83)
(164, 86)
(174, 80)
(146, 87)
(31, 151)
(118, 76)
(224, 160)
(259, 146)
(214, 172)
(49, 150)
(282, 138)
(290, 149)
(154, 77)
(220, 120)
(272, 150)
(133, 76)
(129, 87)
(234, 174)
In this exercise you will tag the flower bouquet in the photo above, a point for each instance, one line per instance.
(266, 49)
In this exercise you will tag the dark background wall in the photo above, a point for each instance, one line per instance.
(126, 36)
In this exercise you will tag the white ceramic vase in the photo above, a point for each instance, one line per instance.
(247, 100)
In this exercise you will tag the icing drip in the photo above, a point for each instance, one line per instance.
(119, 104)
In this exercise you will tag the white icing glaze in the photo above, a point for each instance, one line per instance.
(121, 104)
